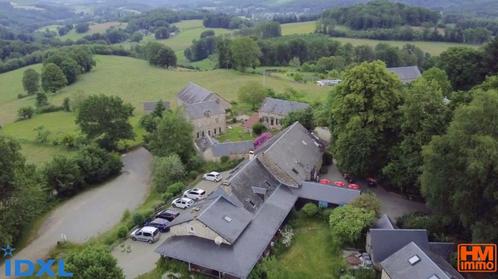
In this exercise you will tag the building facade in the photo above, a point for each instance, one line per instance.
(273, 110)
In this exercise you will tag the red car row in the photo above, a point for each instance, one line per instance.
(340, 184)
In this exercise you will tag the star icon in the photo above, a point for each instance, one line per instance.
(8, 251)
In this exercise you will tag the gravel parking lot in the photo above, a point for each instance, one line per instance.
(136, 258)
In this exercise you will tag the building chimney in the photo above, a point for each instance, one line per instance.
(251, 155)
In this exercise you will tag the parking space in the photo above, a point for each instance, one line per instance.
(136, 258)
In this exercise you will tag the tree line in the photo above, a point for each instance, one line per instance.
(426, 139)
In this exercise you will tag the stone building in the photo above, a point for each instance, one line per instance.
(193, 93)
(207, 118)
(273, 110)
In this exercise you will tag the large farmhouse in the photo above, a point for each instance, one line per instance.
(227, 233)
(193, 93)
(406, 74)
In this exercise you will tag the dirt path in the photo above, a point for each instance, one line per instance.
(94, 211)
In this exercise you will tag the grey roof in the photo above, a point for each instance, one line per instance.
(443, 249)
(384, 242)
(226, 219)
(238, 259)
(194, 93)
(281, 107)
(291, 156)
(204, 109)
(327, 193)
(384, 222)
(232, 148)
(151, 106)
(398, 266)
(406, 74)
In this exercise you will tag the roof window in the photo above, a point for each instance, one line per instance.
(227, 219)
(414, 259)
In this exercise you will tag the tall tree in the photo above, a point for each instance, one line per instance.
(105, 119)
(364, 118)
(460, 173)
(439, 76)
(463, 65)
(423, 115)
(31, 81)
(164, 57)
(173, 135)
(253, 94)
(245, 53)
(53, 78)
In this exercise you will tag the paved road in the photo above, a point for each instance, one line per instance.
(392, 204)
(136, 258)
(94, 211)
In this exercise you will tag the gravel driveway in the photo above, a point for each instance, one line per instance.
(96, 210)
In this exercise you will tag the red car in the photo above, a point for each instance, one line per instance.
(325, 181)
(354, 186)
(339, 183)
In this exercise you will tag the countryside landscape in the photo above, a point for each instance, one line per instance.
(248, 139)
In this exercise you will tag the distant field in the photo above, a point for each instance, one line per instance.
(298, 28)
(94, 28)
(132, 79)
(434, 48)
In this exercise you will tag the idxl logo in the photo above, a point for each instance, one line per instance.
(25, 268)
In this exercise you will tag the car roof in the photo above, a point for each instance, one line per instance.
(148, 229)
(170, 211)
(160, 221)
(214, 172)
(197, 190)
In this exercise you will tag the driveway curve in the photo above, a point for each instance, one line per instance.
(94, 211)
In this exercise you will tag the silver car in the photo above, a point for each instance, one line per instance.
(183, 203)
(194, 193)
(212, 176)
(145, 234)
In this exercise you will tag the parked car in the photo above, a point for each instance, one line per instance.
(372, 182)
(183, 202)
(354, 186)
(160, 223)
(212, 176)
(168, 214)
(325, 181)
(146, 234)
(195, 194)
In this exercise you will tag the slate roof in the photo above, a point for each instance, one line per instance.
(328, 193)
(385, 242)
(398, 266)
(281, 107)
(238, 259)
(384, 222)
(193, 93)
(291, 155)
(232, 148)
(406, 74)
(443, 249)
(204, 109)
(226, 219)
(151, 106)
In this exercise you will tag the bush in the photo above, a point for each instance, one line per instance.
(368, 202)
(25, 113)
(122, 232)
(138, 219)
(258, 129)
(166, 171)
(310, 209)
(166, 196)
(175, 188)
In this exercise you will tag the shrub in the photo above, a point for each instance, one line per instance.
(138, 219)
(175, 188)
(167, 170)
(258, 129)
(122, 232)
(369, 202)
(166, 196)
(25, 113)
(310, 209)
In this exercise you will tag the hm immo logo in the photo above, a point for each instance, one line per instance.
(477, 258)
(27, 268)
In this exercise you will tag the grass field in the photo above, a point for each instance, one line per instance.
(434, 48)
(298, 28)
(94, 28)
(311, 254)
(132, 79)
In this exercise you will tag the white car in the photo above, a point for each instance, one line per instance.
(195, 194)
(212, 176)
(183, 202)
(146, 234)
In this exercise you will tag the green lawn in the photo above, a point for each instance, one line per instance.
(132, 79)
(237, 133)
(298, 28)
(311, 254)
(434, 48)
